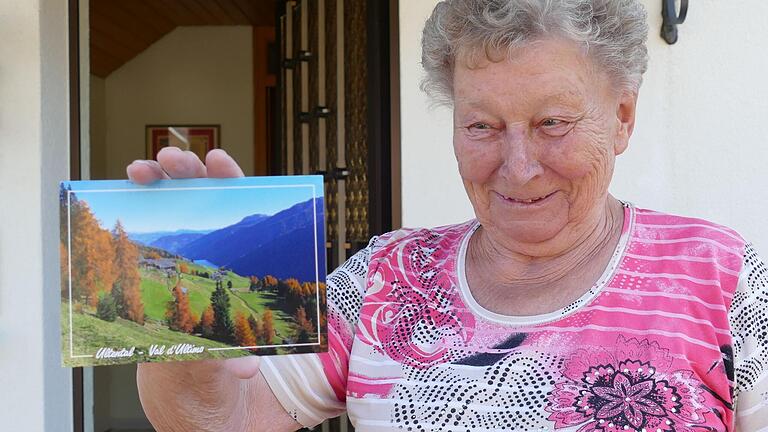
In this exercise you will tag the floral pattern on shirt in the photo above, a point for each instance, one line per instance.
(633, 386)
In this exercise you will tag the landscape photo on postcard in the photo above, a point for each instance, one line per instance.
(191, 269)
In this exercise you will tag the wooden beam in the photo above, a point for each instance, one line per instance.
(175, 11)
(249, 10)
(114, 48)
(203, 16)
(143, 10)
(105, 28)
(235, 14)
(216, 16)
(126, 28)
(265, 12)
(103, 63)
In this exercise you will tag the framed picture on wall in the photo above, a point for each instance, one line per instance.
(199, 139)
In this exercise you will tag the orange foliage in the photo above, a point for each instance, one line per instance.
(178, 313)
(92, 255)
(269, 281)
(64, 269)
(308, 289)
(267, 327)
(293, 285)
(321, 288)
(243, 333)
(184, 268)
(130, 304)
(302, 321)
(206, 322)
(255, 326)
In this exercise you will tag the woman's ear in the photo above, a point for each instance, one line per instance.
(625, 115)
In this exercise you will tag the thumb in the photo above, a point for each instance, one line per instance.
(243, 367)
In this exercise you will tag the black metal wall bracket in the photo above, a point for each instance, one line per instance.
(338, 173)
(290, 63)
(672, 18)
(317, 112)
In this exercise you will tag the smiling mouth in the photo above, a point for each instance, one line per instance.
(526, 201)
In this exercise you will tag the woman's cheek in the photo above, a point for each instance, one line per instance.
(575, 157)
(476, 161)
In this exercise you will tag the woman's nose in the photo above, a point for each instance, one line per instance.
(520, 163)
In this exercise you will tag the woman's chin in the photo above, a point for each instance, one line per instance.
(531, 233)
(529, 226)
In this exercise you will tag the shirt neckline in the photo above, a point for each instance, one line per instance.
(528, 320)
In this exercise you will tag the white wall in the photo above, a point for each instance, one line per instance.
(432, 192)
(698, 147)
(193, 75)
(36, 391)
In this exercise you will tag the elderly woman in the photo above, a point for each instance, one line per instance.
(559, 308)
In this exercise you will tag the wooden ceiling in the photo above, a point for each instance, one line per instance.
(121, 29)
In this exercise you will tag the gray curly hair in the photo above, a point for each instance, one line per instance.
(613, 31)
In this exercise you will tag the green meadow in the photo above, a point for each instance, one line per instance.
(92, 333)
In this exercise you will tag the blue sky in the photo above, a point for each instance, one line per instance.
(156, 208)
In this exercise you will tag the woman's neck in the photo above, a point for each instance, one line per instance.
(588, 251)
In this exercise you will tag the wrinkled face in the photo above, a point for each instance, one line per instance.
(536, 137)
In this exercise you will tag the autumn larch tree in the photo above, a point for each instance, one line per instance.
(206, 322)
(243, 333)
(305, 328)
(178, 313)
(64, 217)
(267, 327)
(254, 286)
(270, 282)
(255, 328)
(92, 255)
(64, 269)
(129, 303)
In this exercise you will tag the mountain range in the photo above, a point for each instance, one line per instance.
(147, 238)
(282, 245)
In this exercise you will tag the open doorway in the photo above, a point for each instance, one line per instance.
(290, 87)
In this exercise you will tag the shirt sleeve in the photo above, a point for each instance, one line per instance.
(748, 317)
(312, 387)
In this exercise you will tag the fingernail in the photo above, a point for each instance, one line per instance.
(170, 148)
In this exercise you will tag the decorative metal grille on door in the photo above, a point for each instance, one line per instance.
(323, 117)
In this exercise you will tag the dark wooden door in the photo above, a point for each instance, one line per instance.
(334, 116)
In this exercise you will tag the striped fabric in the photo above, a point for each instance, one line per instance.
(672, 337)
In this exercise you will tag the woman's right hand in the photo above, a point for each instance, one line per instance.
(213, 395)
(172, 162)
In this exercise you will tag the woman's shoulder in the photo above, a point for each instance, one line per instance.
(662, 228)
(439, 235)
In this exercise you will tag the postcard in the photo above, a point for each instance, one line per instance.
(191, 269)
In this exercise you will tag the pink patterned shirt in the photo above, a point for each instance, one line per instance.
(672, 337)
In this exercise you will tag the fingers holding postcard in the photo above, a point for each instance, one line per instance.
(191, 269)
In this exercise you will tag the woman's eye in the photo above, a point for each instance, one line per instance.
(555, 127)
(479, 126)
(551, 122)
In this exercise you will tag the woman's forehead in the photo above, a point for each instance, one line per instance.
(552, 72)
(568, 97)
(479, 91)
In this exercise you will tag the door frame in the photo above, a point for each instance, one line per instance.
(73, 21)
(383, 84)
